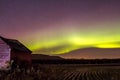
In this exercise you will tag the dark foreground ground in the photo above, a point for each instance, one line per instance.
(63, 72)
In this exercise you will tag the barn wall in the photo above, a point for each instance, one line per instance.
(21, 56)
(4, 54)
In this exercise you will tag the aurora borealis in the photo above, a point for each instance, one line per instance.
(60, 26)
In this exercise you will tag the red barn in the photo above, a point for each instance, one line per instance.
(11, 49)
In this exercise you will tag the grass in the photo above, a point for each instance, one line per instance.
(63, 72)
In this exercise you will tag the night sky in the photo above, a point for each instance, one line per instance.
(60, 26)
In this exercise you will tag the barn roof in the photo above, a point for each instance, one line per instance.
(15, 45)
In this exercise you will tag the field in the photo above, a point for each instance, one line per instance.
(78, 72)
(64, 72)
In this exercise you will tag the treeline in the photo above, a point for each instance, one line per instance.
(79, 61)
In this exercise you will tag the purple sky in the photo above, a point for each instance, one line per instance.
(44, 25)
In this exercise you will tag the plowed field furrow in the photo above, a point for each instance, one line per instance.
(77, 76)
(66, 76)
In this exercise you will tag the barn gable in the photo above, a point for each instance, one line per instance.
(4, 54)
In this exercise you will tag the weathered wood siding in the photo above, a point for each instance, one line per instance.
(22, 56)
(4, 55)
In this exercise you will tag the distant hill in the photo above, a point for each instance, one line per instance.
(93, 53)
(45, 57)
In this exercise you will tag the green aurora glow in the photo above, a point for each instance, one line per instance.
(60, 26)
(68, 41)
